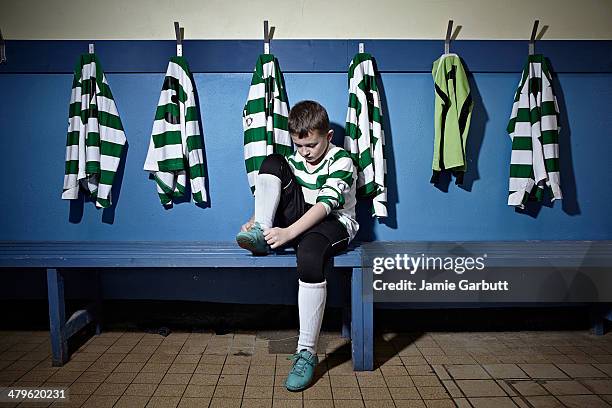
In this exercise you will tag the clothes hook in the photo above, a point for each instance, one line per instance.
(2, 49)
(449, 31)
(179, 32)
(268, 34)
(534, 31)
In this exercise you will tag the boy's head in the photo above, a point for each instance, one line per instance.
(309, 130)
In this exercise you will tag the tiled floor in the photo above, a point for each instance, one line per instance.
(490, 370)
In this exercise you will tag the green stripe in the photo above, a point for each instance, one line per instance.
(550, 137)
(104, 202)
(167, 138)
(92, 139)
(255, 106)
(254, 163)
(165, 188)
(106, 177)
(283, 150)
(72, 138)
(110, 149)
(521, 143)
(196, 170)
(92, 167)
(280, 122)
(191, 114)
(551, 164)
(521, 170)
(170, 165)
(108, 120)
(255, 135)
(195, 142)
(182, 62)
(72, 167)
(74, 109)
(170, 108)
(197, 197)
(367, 190)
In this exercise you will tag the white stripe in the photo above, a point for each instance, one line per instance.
(522, 157)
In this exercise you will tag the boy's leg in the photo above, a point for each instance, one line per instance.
(314, 260)
(278, 202)
(314, 254)
(281, 202)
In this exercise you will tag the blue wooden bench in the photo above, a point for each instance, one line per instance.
(57, 257)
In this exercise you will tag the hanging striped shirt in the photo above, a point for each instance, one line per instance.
(452, 114)
(96, 139)
(534, 131)
(176, 148)
(364, 136)
(264, 118)
(332, 182)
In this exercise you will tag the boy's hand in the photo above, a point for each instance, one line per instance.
(276, 237)
(245, 227)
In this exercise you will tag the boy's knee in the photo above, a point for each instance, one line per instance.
(272, 164)
(312, 257)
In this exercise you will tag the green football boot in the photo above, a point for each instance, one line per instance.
(302, 371)
(253, 240)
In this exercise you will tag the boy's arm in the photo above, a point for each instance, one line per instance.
(276, 237)
(330, 197)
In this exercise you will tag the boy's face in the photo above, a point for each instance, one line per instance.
(313, 147)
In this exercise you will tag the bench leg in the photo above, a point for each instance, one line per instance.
(599, 314)
(368, 322)
(346, 322)
(357, 319)
(362, 321)
(346, 307)
(98, 304)
(57, 317)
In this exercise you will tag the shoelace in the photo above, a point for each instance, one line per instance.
(299, 364)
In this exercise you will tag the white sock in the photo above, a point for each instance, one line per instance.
(267, 197)
(311, 305)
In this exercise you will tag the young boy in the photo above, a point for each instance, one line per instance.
(307, 201)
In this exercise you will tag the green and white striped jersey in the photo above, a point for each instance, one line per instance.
(534, 131)
(364, 136)
(95, 138)
(332, 182)
(176, 148)
(264, 117)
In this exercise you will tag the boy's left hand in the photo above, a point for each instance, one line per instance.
(276, 237)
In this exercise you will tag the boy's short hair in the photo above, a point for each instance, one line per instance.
(307, 116)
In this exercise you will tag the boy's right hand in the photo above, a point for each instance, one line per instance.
(246, 226)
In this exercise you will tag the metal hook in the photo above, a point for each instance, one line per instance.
(91, 48)
(534, 31)
(268, 34)
(361, 48)
(449, 31)
(2, 49)
(179, 32)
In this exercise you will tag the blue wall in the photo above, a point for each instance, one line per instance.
(33, 122)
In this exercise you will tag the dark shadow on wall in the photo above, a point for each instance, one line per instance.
(569, 203)
(391, 178)
(207, 203)
(108, 214)
(478, 125)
